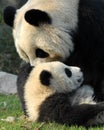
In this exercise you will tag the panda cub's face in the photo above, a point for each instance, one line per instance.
(41, 29)
(55, 77)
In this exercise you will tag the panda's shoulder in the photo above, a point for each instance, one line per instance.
(23, 74)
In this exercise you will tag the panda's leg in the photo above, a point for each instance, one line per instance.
(99, 119)
(87, 114)
(83, 95)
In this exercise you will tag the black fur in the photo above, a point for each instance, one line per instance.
(89, 45)
(58, 108)
(36, 17)
(9, 14)
(24, 72)
(68, 72)
(45, 77)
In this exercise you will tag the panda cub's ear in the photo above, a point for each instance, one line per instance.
(36, 17)
(9, 15)
(45, 77)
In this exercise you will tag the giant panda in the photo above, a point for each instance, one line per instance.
(70, 31)
(52, 92)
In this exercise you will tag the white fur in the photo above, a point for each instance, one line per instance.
(35, 92)
(53, 39)
(83, 95)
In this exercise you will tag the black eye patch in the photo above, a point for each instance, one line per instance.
(41, 54)
(45, 77)
(68, 72)
(36, 17)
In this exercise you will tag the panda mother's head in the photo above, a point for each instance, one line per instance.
(41, 29)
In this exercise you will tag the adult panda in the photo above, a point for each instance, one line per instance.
(70, 31)
(52, 92)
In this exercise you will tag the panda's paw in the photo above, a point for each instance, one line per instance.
(98, 120)
(84, 95)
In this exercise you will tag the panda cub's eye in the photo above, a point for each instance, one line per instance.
(68, 72)
(41, 54)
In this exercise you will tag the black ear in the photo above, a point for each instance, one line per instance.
(45, 77)
(9, 14)
(35, 17)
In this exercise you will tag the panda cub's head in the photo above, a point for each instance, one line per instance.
(42, 29)
(47, 79)
(55, 76)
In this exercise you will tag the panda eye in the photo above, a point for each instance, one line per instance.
(68, 72)
(41, 54)
(45, 77)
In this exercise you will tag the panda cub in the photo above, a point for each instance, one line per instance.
(52, 92)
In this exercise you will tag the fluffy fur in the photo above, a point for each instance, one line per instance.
(52, 92)
(70, 31)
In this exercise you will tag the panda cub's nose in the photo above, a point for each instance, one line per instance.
(79, 80)
(68, 72)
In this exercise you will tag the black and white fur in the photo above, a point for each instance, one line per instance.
(71, 31)
(51, 92)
